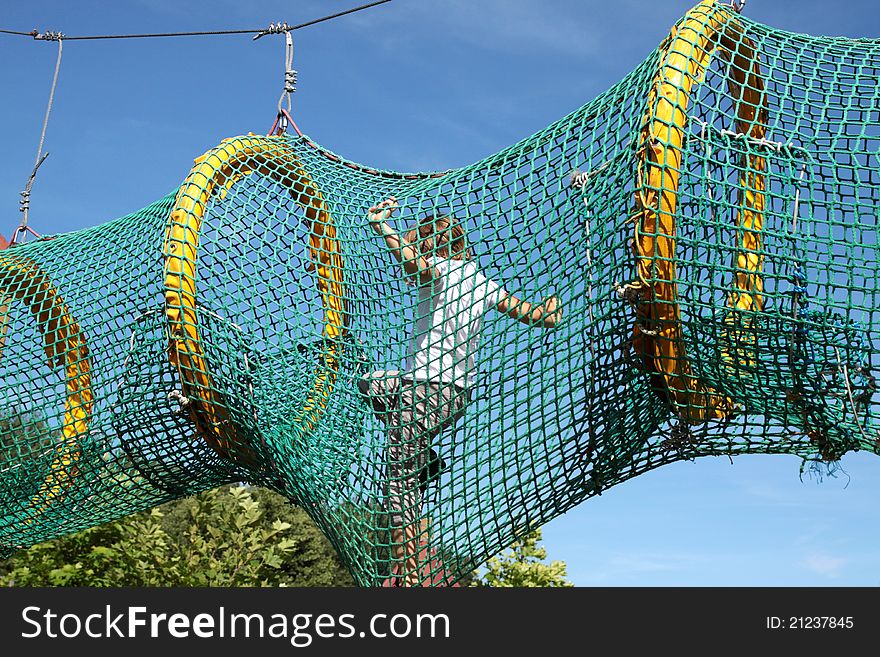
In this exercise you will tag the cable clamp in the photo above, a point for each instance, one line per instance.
(290, 81)
(274, 28)
(48, 35)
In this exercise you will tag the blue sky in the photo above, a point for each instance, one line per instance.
(419, 85)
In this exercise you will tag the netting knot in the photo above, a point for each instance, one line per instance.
(679, 437)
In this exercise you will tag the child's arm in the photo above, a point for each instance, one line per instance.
(546, 314)
(414, 264)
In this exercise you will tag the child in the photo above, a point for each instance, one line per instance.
(430, 393)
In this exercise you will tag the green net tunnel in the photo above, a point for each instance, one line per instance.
(709, 224)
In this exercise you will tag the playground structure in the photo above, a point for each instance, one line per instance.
(711, 223)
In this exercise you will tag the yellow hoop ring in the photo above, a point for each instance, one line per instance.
(65, 347)
(215, 172)
(684, 61)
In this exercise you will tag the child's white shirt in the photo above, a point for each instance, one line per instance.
(448, 322)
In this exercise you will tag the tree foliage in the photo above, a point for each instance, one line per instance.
(230, 536)
(523, 565)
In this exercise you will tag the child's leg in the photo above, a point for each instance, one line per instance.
(405, 444)
(426, 408)
(381, 391)
(413, 413)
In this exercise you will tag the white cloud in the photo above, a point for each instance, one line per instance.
(792, 495)
(638, 563)
(823, 564)
(635, 566)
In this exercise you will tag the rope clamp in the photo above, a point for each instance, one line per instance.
(181, 400)
(630, 292)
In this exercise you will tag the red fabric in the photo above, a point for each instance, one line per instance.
(432, 572)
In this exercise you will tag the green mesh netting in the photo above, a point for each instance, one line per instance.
(715, 258)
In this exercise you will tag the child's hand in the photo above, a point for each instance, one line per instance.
(382, 211)
(552, 311)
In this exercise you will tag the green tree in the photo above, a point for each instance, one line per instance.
(230, 536)
(523, 565)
